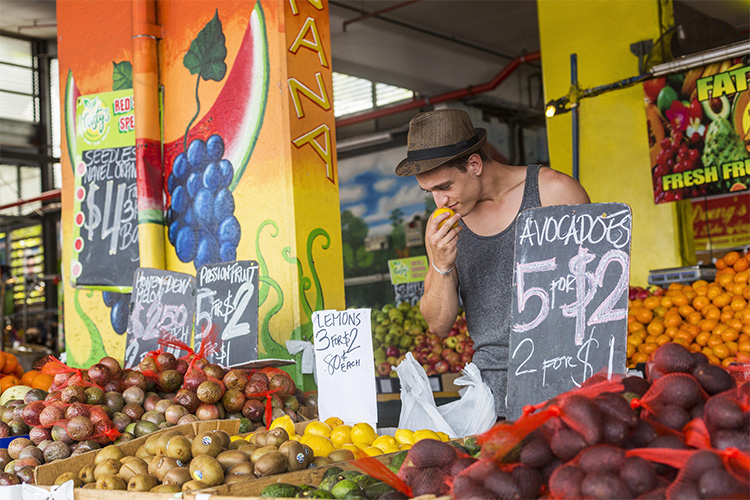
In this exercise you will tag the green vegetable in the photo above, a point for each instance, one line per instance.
(279, 490)
(667, 96)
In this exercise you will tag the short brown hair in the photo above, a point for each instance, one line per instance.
(462, 162)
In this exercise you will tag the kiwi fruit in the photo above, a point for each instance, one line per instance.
(177, 476)
(109, 466)
(270, 463)
(142, 482)
(230, 458)
(165, 488)
(295, 455)
(247, 449)
(179, 447)
(193, 485)
(110, 482)
(87, 474)
(241, 468)
(258, 438)
(226, 439)
(238, 478)
(132, 466)
(69, 476)
(206, 443)
(207, 469)
(339, 455)
(321, 461)
(108, 452)
(143, 453)
(255, 456)
(162, 439)
(164, 465)
(277, 436)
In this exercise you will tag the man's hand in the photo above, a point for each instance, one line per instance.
(441, 238)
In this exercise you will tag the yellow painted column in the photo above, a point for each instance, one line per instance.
(614, 155)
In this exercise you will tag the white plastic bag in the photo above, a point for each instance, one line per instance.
(418, 409)
(474, 413)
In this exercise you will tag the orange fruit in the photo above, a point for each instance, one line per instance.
(667, 301)
(721, 264)
(8, 381)
(707, 325)
(728, 361)
(634, 340)
(695, 347)
(680, 299)
(744, 346)
(694, 318)
(732, 346)
(28, 377)
(672, 320)
(655, 328)
(640, 357)
(644, 315)
(634, 327)
(2, 361)
(10, 363)
(702, 338)
(652, 302)
(631, 350)
(663, 339)
(648, 347)
(738, 303)
(684, 343)
(42, 381)
(730, 335)
(714, 340)
(731, 258)
(742, 277)
(721, 351)
(700, 302)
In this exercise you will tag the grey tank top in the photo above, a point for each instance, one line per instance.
(485, 274)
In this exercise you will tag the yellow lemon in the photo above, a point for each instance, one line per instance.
(385, 442)
(363, 433)
(361, 446)
(404, 436)
(371, 451)
(353, 448)
(235, 438)
(285, 422)
(296, 437)
(443, 436)
(425, 434)
(341, 435)
(334, 422)
(404, 446)
(318, 429)
(321, 446)
(443, 211)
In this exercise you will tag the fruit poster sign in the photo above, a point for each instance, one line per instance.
(227, 299)
(570, 299)
(105, 222)
(344, 365)
(407, 277)
(699, 131)
(162, 306)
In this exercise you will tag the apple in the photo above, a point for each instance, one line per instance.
(469, 348)
(456, 367)
(437, 349)
(421, 356)
(450, 342)
(462, 337)
(465, 357)
(446, 352)
(393, 374)
(425, 366)
(454, 331)
(400, 359)
(433, 358)
(431, 371)
(419, 339)
(452, 357)
(460, 346)
(442, 366)
(391, 359)
(392, 351)
(384, 369)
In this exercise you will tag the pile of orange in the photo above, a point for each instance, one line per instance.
(12, 374)
(712, 318)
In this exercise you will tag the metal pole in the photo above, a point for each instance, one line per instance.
(574, 114)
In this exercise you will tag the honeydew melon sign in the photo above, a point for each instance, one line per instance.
(344, 365)
(570, 299)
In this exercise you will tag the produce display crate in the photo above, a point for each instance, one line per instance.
(45, 475)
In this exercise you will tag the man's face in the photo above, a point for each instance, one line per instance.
(450, 188)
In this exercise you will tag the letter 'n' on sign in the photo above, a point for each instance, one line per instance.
(318, 4)
(314, 44)
(324, 151)
(296, 87)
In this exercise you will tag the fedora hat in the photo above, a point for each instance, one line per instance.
(437, 137)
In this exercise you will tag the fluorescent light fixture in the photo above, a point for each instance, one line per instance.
(702, 58)
(363, 141)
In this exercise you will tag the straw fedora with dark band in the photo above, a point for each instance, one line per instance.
(437, 137)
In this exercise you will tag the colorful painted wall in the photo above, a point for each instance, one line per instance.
(249, 170)
(614, 154)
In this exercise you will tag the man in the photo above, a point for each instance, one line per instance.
(471, 253)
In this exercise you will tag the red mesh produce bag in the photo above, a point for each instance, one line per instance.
(740, 372)
(498, 442)
(486, 479)
(376, 469)
(727, 417)
(670, 399)
(703, 473)
(427, 467)
(62, 373)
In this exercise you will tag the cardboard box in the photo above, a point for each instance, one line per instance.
(46, 474)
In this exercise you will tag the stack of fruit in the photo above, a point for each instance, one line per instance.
(712, 318)
(12, 375)
(401, 329)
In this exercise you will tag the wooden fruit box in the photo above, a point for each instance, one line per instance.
(45, 475)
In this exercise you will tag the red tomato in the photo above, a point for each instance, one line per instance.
(653, 86)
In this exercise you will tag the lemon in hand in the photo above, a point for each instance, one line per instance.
(443, 211)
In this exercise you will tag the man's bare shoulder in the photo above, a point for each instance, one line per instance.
(557, 188)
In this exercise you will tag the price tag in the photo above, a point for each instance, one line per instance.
(162, 304)
(105, 206)
(345, 366)
(227, 299)
(570, 299)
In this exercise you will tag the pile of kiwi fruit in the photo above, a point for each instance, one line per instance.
(171, 462)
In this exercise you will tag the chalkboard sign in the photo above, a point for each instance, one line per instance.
(344, 365)
(409, 292)
(105, 214)
(570, 299)
(162, 304)
(227, 298)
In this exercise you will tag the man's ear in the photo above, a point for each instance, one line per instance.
(475, 164)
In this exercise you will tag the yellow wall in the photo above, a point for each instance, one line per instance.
(614, 155)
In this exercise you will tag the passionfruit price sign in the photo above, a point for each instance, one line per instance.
(699, 131)
(105, 217)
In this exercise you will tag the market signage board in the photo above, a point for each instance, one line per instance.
(570, 299)
(699, 131)
(162, 306)
(105, 211)
(344, 365)
(227, 299)
(407, 277)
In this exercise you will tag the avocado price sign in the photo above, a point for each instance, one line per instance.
(570, 299)
(344, 364)
(699, 131)
(105, 220)
(162, 305)
(227, 299)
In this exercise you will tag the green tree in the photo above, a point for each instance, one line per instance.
(396, 217)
